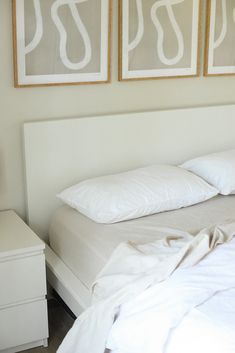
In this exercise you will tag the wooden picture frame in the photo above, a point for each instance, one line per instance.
(61, 42)
(134, 21)
(220, 38)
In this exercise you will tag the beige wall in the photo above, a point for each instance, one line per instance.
(29, 104)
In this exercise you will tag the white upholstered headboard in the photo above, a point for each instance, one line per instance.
(59, 153)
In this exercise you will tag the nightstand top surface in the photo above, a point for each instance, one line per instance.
(16, 238)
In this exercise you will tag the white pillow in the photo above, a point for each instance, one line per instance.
(218, 169)
(137, 193)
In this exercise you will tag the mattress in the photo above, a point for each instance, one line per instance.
(85, 246)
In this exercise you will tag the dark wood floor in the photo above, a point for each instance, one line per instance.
(60, 321)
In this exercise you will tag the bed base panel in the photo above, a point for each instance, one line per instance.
(73, 292)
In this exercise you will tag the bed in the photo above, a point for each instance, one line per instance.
(61, 152)
(86, 246)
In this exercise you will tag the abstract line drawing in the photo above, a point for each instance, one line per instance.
(164, 44)
(220, 38)
(39, 28)
(180, 40)
(63, 34)
(140, 30)
(61, 42)
(223, 32)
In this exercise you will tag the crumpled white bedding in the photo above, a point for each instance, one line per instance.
(155, 290)
(85, 246)
(208, 328)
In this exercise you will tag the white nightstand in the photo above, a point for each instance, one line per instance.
(23, 305)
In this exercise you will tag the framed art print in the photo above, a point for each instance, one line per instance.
(61, 41)
(158, 38)
(220, 38)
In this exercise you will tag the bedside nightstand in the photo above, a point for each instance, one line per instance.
(23, 305)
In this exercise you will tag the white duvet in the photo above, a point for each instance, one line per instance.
(208, 328)
(170, 296)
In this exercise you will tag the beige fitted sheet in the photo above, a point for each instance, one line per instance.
(85, 246)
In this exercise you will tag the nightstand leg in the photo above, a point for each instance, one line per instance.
(45, 343)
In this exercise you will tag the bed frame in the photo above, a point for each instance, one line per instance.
(62, 152)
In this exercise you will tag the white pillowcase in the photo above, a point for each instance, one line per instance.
(137, 193)
(218, 169)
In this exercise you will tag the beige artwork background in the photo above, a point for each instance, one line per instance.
(176, 55)
(145, 54)
(222, 22)
(37, 63)
(224, 55)
(63, 41)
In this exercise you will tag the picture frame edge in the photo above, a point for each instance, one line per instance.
(199, 45)
(207, 43)
(207, 33)
(120, 50)
(110, 42)
(15, 46)
(15, 56)
(120, 37)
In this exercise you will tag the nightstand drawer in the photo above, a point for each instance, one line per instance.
(22, 279)
(23, 324)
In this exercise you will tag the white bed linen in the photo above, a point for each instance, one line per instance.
(218, 169)
(208, 328)
(156, 286)
(85, 246)
(137, 193)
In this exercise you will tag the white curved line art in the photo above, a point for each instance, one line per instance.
(39, 28)
(168, 4)
(63, 34)
(223, 32)
(140, 31)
